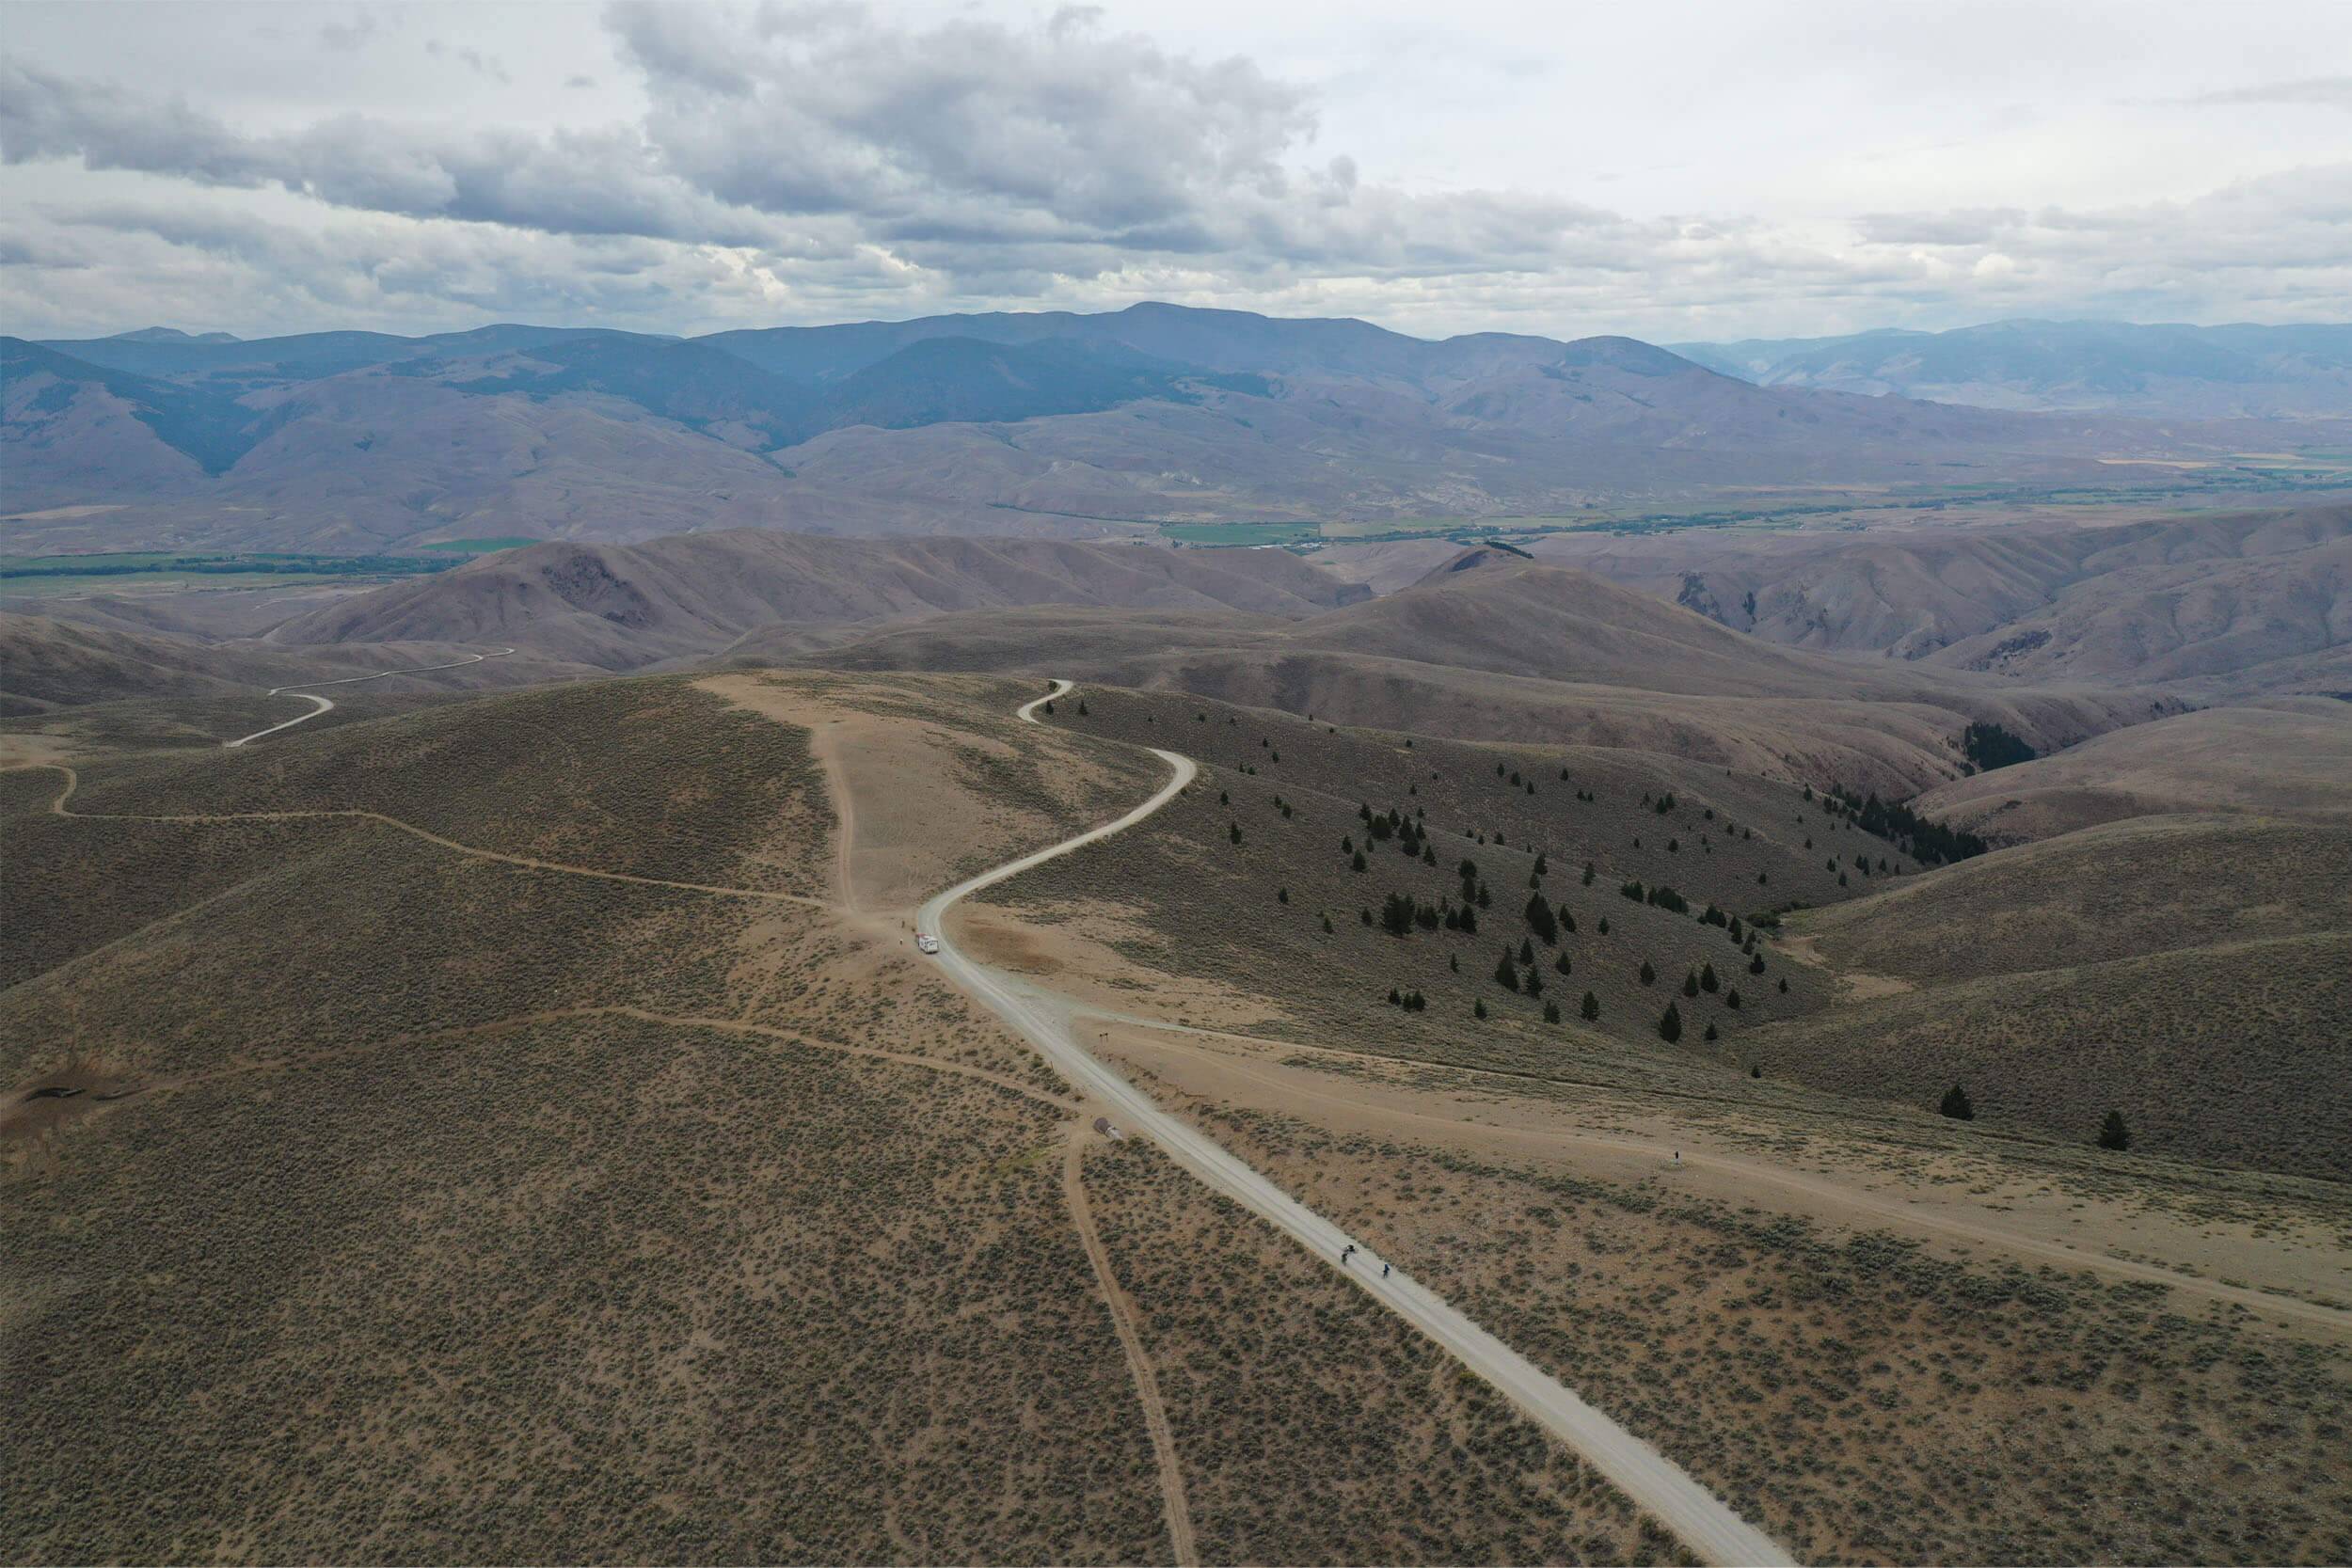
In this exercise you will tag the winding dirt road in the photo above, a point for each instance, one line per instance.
(1703, 1521)
(327, 705)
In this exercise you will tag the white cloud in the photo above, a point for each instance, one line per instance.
(809, 162)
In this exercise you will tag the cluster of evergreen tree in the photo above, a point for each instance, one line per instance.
(1928, 843)
(1400, 915)
(1988, 746)
(1411, 1000)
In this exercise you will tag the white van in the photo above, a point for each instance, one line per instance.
(926, 943)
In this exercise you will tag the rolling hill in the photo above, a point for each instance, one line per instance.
(2215, 604)
(2284, 756)
(1050, 424)
(624, 607)
(1510, 649)
(2189, 971)
(2169, 369)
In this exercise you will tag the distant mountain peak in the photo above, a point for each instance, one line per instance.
(174, 335)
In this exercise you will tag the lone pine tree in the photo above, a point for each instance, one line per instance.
(1670, 1024)
(2113, 1133)
(1956, 1104)
(1589, 1009)
(1540, 919)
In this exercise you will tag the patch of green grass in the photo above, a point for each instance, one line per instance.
(1241, 534)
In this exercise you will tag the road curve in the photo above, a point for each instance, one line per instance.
(301, 689)
(1705, 1523)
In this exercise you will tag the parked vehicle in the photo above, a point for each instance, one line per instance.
(927, 943)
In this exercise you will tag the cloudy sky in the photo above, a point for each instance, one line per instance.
(1672, 170)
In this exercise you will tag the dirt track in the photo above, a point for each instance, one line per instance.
(1703, 1521)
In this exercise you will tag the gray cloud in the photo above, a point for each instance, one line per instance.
(2334, 92)
(466, 55)
(795, 162)
(606, 183)
(348, 35)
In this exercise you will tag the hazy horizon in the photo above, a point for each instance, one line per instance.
(485, 322)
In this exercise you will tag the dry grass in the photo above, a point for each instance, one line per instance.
(1264, 1357)
(1193, 903)
(1862, 1399)
(459, 1208)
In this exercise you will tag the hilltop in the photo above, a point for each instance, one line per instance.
(624, 607)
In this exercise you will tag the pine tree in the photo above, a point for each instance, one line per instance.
(1707, 978)
(1281, 895)
(1395, 1000)
(1506, 975)
(1327, 925)
(1542, 865)
(1567, 921)
(1590, 1009)
(2113, 1133)
(1650, 975)
(1956, 1104)
(1478, 1009)
(1731, 999)
(1588, 873)
(1552, 1012)
(1784, 985)
(1527, 950)
(1540, 919)
(1755, 1070)
(1604, 924)
(1755, 965)
(1670, 1024)
(1710, 1033)
(1532, 983)
(1234, 831)
(1561, 964)
(1689, 984)
(1357, 862)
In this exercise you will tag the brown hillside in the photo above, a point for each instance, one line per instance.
(2122, 890)
(622, 606)
(2247, 625)
(1507, 650)
(2290, 756)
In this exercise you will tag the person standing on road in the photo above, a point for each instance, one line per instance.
(1384, 1271)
